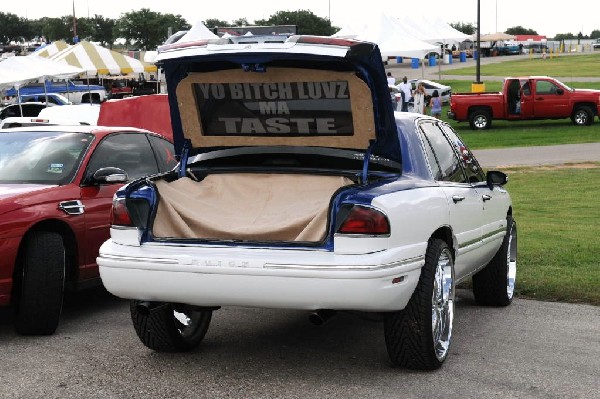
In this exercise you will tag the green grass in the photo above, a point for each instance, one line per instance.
(558, 217)
(565, 66)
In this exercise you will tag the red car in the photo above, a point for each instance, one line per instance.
(56, 190)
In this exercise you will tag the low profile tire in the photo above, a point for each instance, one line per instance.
(582, 116)
(418, 337)
(494, 285)
(41, 284)
(170, 327)
(480, 119)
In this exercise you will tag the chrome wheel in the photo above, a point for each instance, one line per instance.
(581, 118)
(511, 262)
(442, 305)
(188, 321)
(480, 122)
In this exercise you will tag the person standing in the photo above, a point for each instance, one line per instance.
(391, 80)
(436, 104)
(419, 99)
(406, 91)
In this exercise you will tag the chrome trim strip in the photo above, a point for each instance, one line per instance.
(405, 262)
(72, 207)
(140, 259)
(488, 235)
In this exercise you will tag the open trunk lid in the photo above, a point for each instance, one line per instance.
(304, 91)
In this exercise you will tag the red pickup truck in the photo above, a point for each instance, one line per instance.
(526, 98)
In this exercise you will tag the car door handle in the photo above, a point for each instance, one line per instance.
(539, 98)
(457, 198)
(486, 197)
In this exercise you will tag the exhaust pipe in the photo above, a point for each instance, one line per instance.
(320, 316)
(145, 308)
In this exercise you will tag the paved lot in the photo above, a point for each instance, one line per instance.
(528, 350)
(536, 156)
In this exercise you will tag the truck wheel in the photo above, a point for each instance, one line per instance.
(480, 119)
(41, 284)
(170, 327)
(418, 337)
(495, 284)
(582, 116)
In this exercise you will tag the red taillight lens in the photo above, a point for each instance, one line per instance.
(362, 220)
(120, 214)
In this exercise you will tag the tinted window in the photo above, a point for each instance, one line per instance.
(465, 156)
(128, 151)
(545, 87)
(444, 154)
(41, 157)
(165, 153)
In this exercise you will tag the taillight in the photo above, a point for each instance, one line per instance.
(363, 220)
(120, 214)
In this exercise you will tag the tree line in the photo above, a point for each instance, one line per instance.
(470, 29)
(146, 30)
(143, 29)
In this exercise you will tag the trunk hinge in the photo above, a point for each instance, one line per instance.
(364, 178)
(185, 152)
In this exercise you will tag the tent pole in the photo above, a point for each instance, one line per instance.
(88, 84)
(45, 90)
(19, 99)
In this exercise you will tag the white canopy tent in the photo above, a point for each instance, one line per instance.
(18, 71)
(390, 35)
(432, 30)
(198, 32)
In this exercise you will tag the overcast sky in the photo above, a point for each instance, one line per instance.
(546, 17)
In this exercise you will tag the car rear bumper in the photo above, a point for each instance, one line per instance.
(252, 277)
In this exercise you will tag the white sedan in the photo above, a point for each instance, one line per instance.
(444, 91)
(298, 187)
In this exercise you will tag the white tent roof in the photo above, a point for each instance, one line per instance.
(390, 35)
(17, 71)
(198, 32)
(432, 29)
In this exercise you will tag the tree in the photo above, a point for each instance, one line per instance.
(241, 22)
(104, 30)
(57, 28)
(10, 28)
(306, 22)
(564, 36)
(519, 30)
(466, 28)
(147, 29)
(595, 34)
(215, 23)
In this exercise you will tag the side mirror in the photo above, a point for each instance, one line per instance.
(496, 178)
(560, 91)
(110, 175)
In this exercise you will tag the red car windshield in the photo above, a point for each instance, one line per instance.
(41, 157)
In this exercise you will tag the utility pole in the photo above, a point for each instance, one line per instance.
(478, 69)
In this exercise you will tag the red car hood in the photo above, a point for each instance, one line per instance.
(14, 190)
(12, 196)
